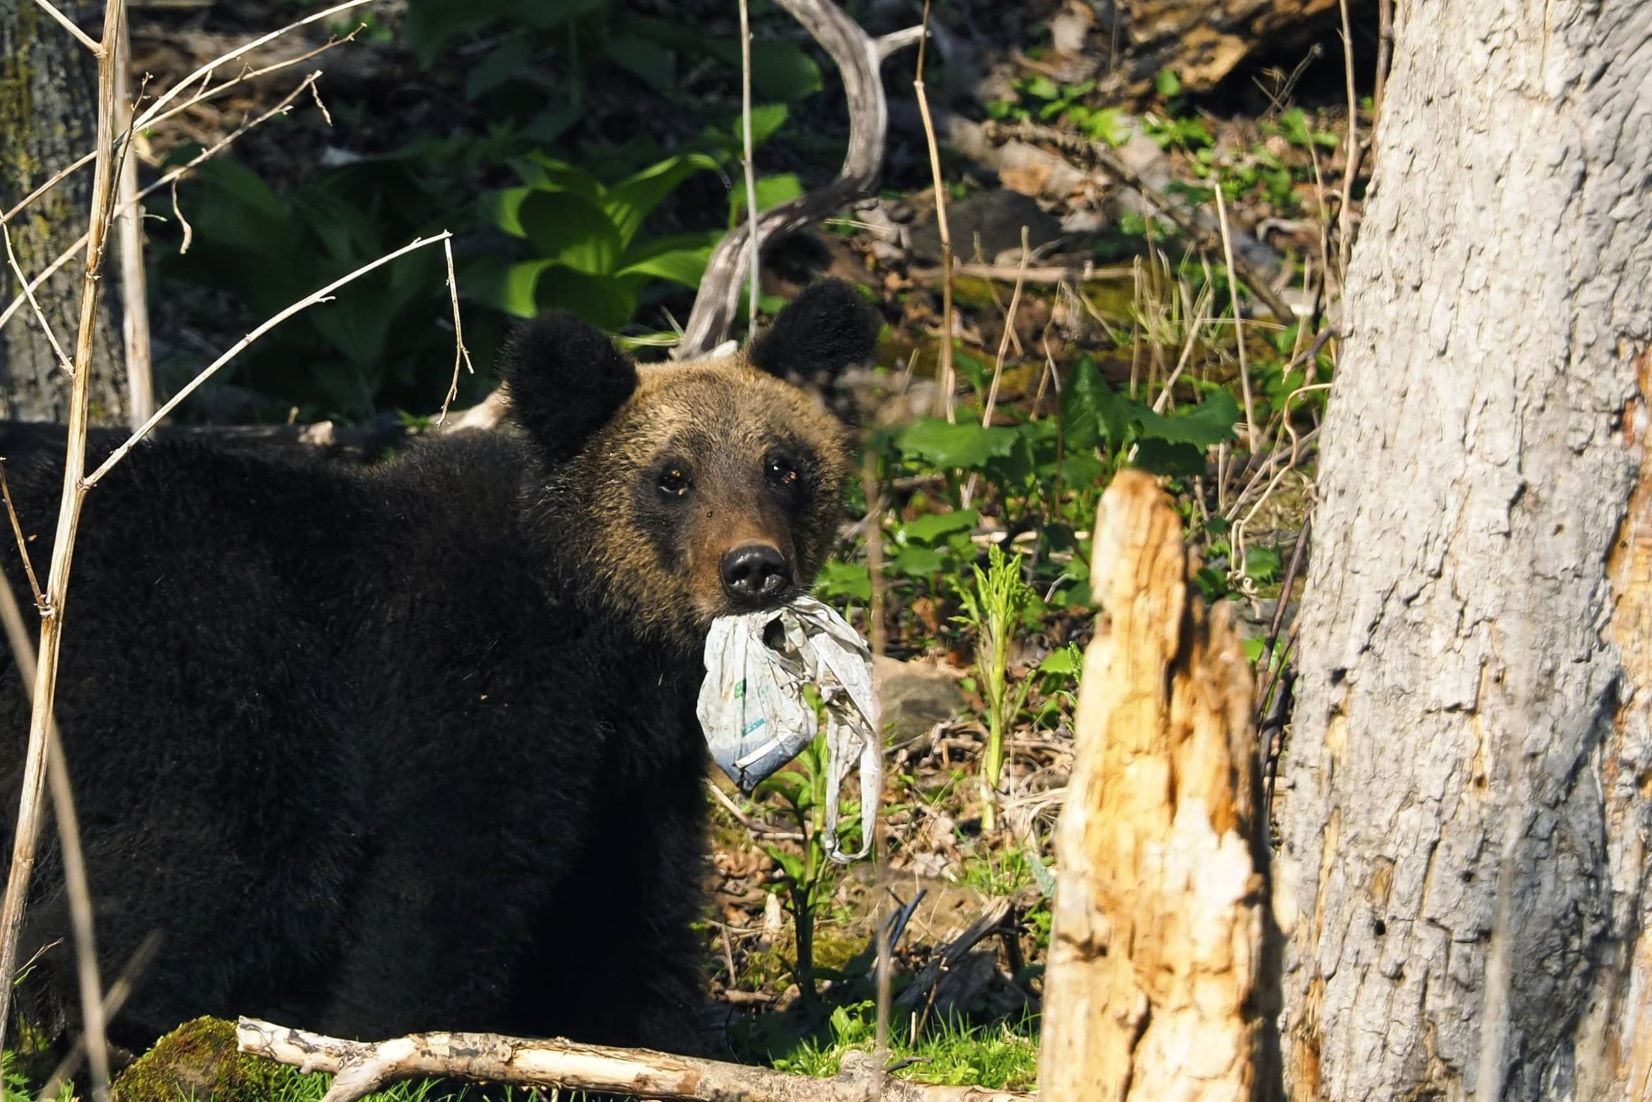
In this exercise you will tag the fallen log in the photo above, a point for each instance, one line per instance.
(360, 1067)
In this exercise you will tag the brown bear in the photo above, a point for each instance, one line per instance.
(413, 746)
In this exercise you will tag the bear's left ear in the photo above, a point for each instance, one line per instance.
(566, 380)
(819, 333)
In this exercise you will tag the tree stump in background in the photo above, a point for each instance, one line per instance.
(1163, 973)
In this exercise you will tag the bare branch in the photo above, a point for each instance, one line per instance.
(362, 1067)
(315, 298)
(28, 293)
(461, 354)
(167, 180)
(857, 56)
(201, 97)
(69, 25)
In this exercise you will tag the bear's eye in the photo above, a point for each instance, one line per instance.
(674, 482)
(781, 472)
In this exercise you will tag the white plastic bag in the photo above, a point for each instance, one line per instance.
(756, 719)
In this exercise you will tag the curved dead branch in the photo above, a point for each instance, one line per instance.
(858, 57)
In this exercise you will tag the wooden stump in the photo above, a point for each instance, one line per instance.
(1162, 980)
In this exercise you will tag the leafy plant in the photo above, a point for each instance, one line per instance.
(806, 877)
(992, 609)
(583, 237)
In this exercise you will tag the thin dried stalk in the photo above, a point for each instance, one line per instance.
(753, 244)
(1238, 323)
(41, 717)
(134, 293)
(949, 377)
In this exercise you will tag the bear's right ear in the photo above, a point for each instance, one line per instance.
(566, 380)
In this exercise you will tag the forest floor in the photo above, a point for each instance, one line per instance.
(1078, 296)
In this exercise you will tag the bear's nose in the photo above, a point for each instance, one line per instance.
(755, 572)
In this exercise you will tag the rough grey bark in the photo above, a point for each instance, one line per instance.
(1467, 812)
(48, 85)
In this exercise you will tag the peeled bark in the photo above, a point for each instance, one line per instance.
(48, 114)
(1162, 974)
(1464, 809)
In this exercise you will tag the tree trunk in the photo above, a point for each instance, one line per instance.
(48, 111)
(1466, 811)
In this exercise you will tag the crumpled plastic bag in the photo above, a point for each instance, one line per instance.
(756, 719)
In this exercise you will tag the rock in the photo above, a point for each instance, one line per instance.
(199, 1059)
(991, 218)
(915, 696)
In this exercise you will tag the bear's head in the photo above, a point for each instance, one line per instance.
(671, 494)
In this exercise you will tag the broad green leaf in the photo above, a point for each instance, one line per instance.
(967, 446)
(629, 202)
(1090, 411)
(771, 192)
(766, 121)
(503, 65)
(932, 526)
(685, 266)
(645, 59)
(844, 579)
(1069, 660)
(502, 208)
(779, 70)
(1262, 564)
(546, 173)
(917, 562)
(571, 230)
(1210, 423)
(602, 300)
(509, 288)
(1161, 457)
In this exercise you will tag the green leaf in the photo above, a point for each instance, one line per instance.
(932, 526)
(502, 208)
(1042, 87)
(1205, 426)
(685, 265)
(644, 59)
(771, 192)
(546, 173)
(571, 230)
(917, 562)
(1090, 411)
(500, 67)
(844, 579)
(1262, 563)
(1167, 84)
(509, 288)
(1160, 457)
(1069, 660)
(766, 121)
(604, 301)
(630, 202)
(966, 446)
(780, 71)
